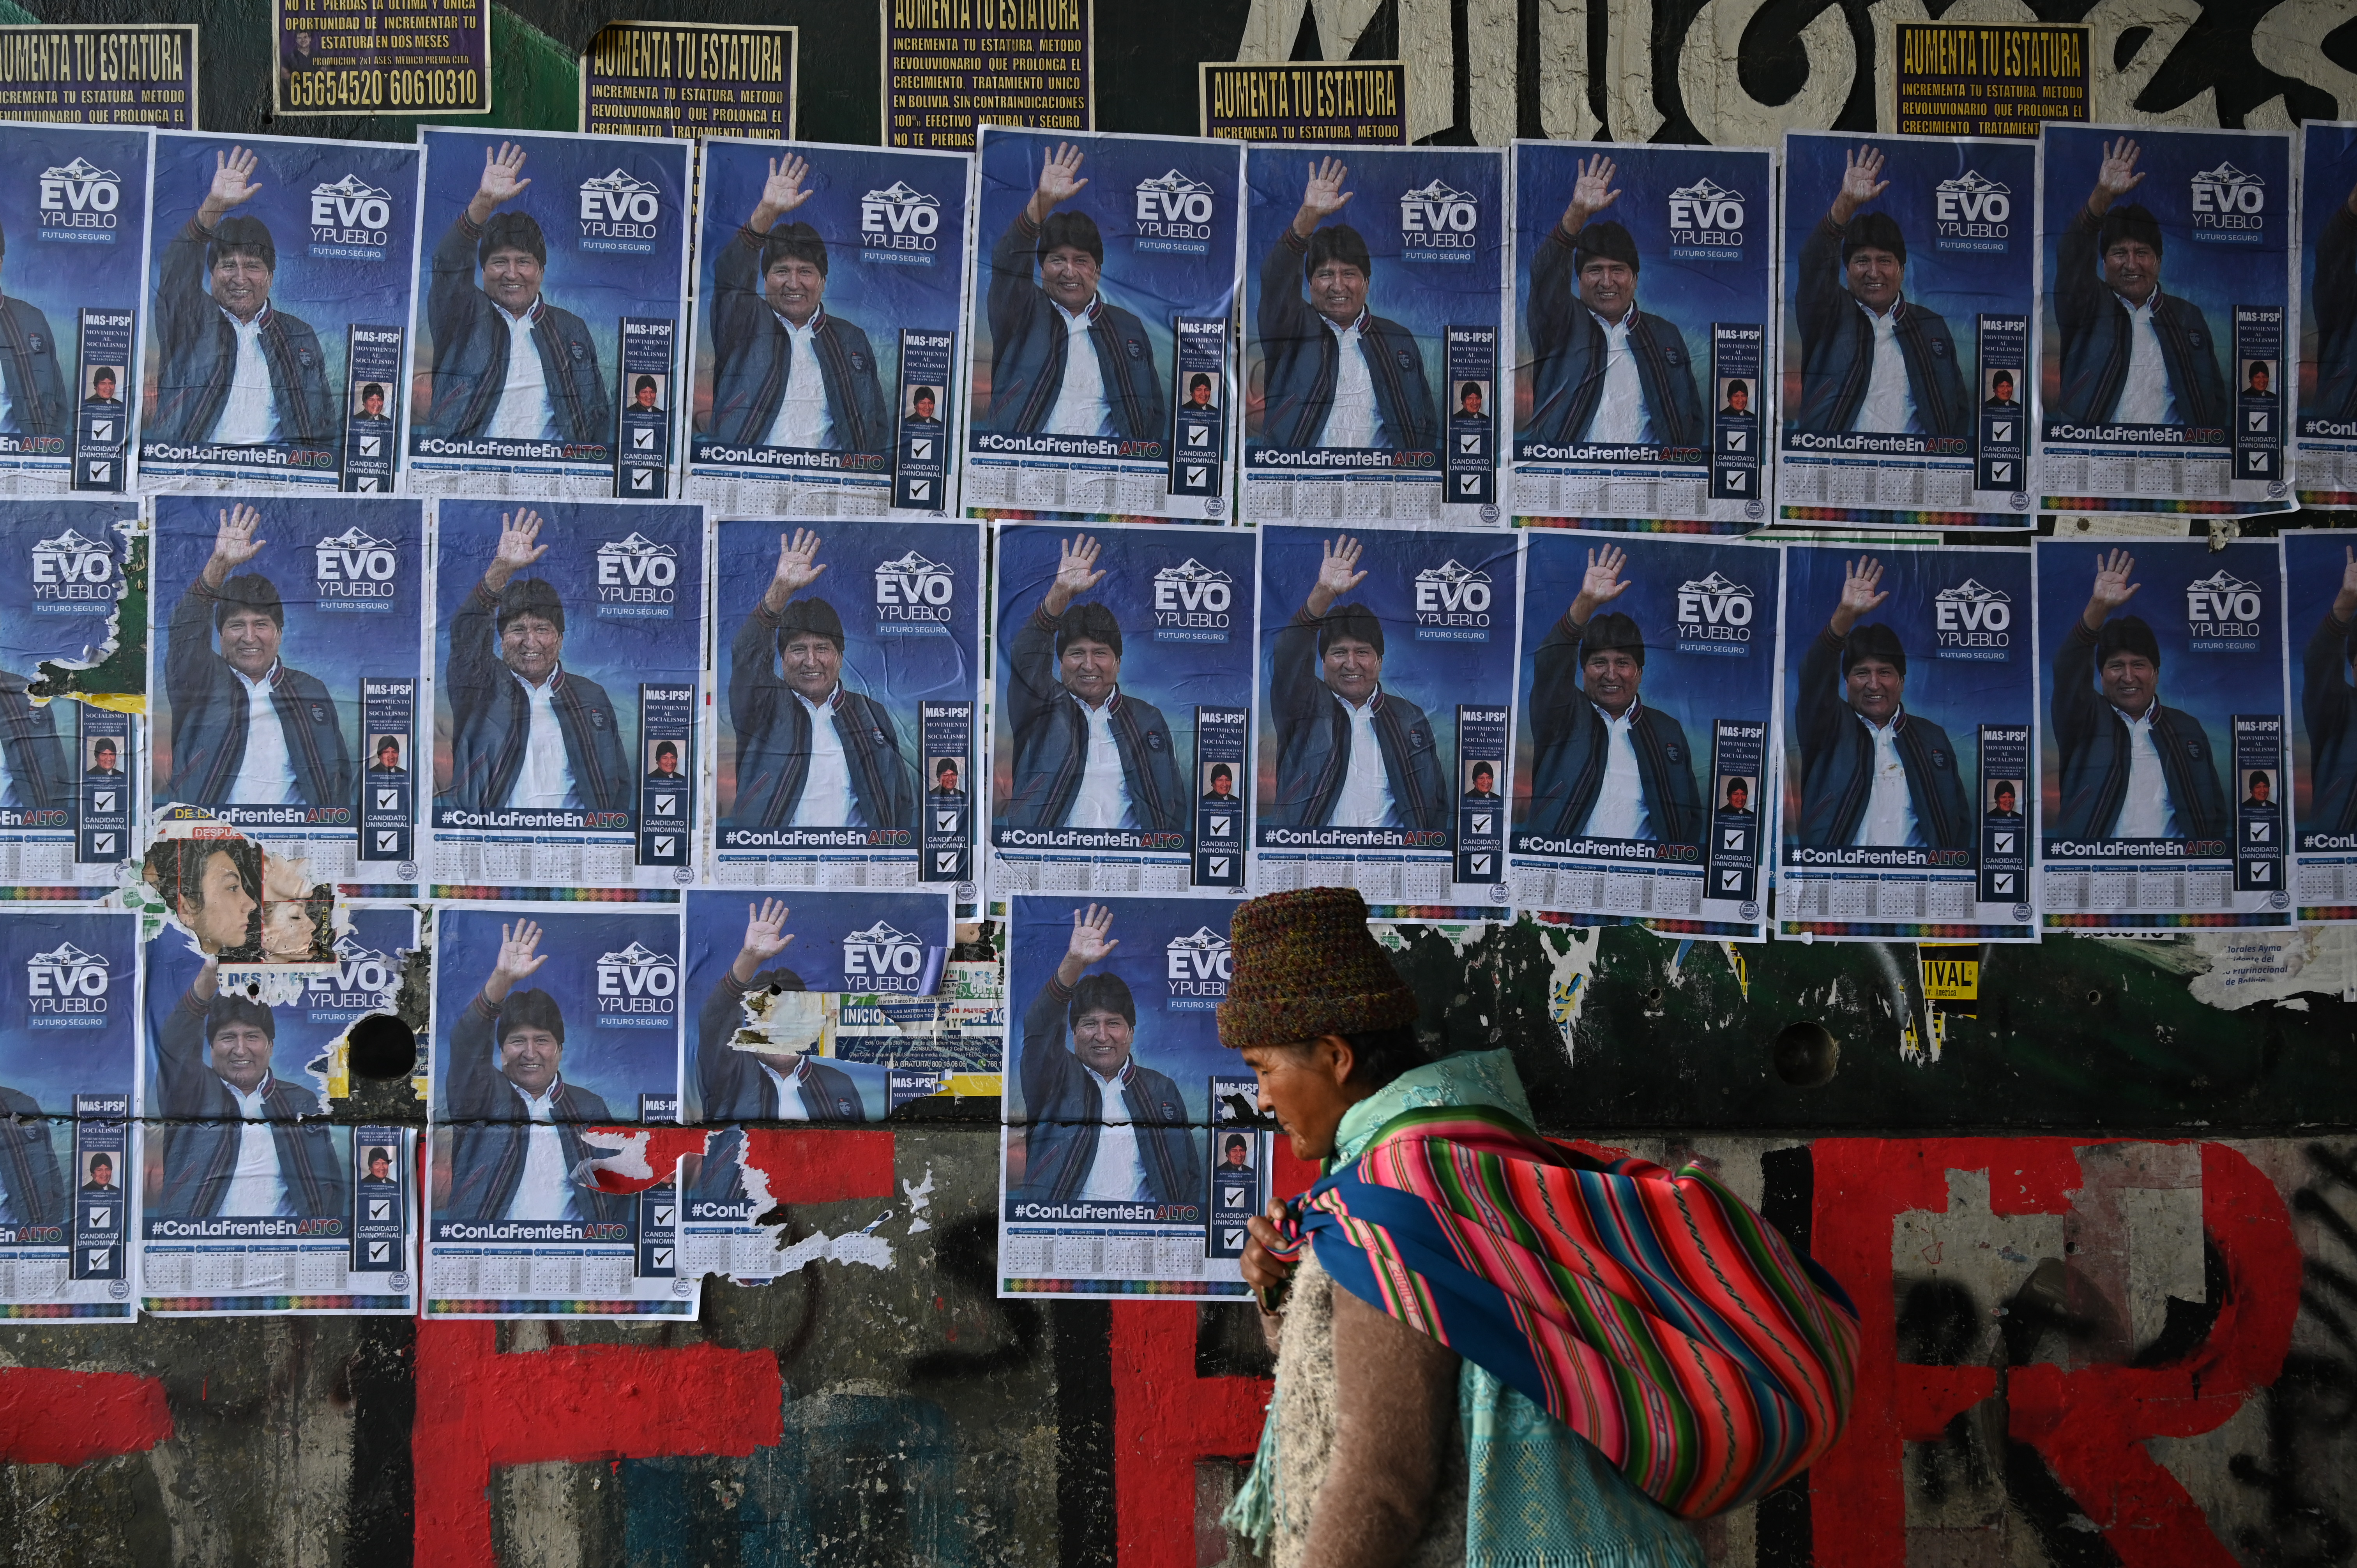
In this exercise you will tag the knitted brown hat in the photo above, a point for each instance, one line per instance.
(1304, 964)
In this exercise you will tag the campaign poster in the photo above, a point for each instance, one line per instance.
(1909, 744)
(761, 970)
(71, 304)
(1646, 699)
(555, 1035)
(1657, 261)
(1378, 770)
(1913, 242)
(1137, 236)
(284, 672)
(2324, 436)
(1121, 995)
(1109, 775)
(552, 295)
(2162, 700)
(847, 752)
(2321, 639)
(1403, 427)
(569, 681)
(67, 769)
(70, 1082)
(277, 333)
(2165, 282)
(818, 396)
(254, 1203)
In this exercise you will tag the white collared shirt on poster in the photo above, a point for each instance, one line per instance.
(1104, 798)
(525, 413)
(1353, 419)
(803, 418)
(827, 799)
(2146, 397)
(1117, 1175)
(257, 1187)
(1080, 408)
(2148, 813)
(546, 780)
(1888, 406)
(545, 1191)
(1365, 800)
(249, 415)
(1622, 416)
(1889, 819)
(265, 775)
(787, 1087)
(1619, 809)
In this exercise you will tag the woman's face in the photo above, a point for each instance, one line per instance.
(287, 928)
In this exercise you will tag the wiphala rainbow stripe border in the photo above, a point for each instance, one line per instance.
(568, 1306)
(27, 1311)
(1125, 1287)
(493, 893)
(2162, 922)
(166, 1304)
(1884, 517)
(1898, 930)
(1641, 525)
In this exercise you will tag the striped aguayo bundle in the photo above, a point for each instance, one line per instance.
(1652, 1313)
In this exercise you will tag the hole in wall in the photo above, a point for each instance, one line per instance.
(381, 1047)
(2094, 998)
(1806, 1055)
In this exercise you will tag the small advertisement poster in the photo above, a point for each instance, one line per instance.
(1646, 698)
(689, 79)
(134, 74)
(71, 302)
(66, 805)
(1107, 775)
(760, 1049)
(2320, 635)
(2165, 284)
(947, 68)
(1657, 260)
(568, 678)
(279, 269)
(255, 1204)
(1372, 764)
(847, 751)
(1987, 79)
(1358, 102)
(1398, 256)
(1910, 745)
(1119, 997)
(285, 674)
(586, 239)
(818, 396)
(1921, 243)
(1137, 235)
(2163, 696)
(2324, 436)
(384, 57)
(68, 1148)
(555, 1033)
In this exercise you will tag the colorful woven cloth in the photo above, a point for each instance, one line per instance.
(1651, 1312)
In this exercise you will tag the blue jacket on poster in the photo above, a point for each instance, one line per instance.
(1052, 742)
(1567, 385)
(1302, 359)
(732, 1083)
(208, 716)
(1837, 348)
(28, 369)
(491, 722)
(1313, 743)
(1064, 1112)
(200, 1148)
(37, 769)
(1574, 748)
(472, 339)
(199, 344)
(1837, 763)
(2096, 341)
(773, 740)
(754, 357)
(1028, 344)
(2328, 708)
(28, 1164)
(2335, 304)
(2096, 753)
(490, 1140)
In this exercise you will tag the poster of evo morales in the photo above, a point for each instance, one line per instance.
(72, 300)
(552, 295)
(1909, 308)
(1646, 697)
(1100, 371)
(830, 286)
(254, 1203)
(2324, 436)
(1374, 318)
(1121, 690)
(554, 1031)
(568, 681)
(1386, 683)
(2165, 281)
(1643, 308)
(849, 662)
(2321, 636)
(284, 673)
(2162, 699)
(279, 273)
(1909, 745)
(1122, 1174)
(67, 770)
(69, 1084)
